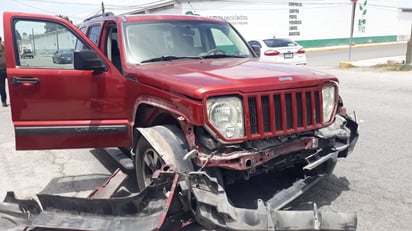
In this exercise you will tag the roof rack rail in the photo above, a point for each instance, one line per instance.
(99, 15)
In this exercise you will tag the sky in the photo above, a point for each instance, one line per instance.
(78, 10)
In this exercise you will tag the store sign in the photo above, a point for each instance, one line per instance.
(233, 19)
(294, 19)
(362, 19)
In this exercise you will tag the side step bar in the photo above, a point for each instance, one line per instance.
(126, 163)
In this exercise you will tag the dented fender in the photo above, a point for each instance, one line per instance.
(345, 130)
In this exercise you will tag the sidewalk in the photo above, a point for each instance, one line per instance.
(373, 62)
(367, 62)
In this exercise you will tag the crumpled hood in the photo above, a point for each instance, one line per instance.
(195, 78)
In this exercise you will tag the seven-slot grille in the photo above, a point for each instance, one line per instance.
(284, 112)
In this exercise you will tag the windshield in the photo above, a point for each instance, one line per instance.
(66, 51)
(279, 43)
(176, 40)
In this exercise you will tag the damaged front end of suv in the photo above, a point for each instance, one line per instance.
(304, 130)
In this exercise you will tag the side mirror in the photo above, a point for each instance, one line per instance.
(256, 49)
(88, 60)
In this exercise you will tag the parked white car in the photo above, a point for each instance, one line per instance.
(280, 50)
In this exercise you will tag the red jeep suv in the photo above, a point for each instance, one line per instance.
(172, 89)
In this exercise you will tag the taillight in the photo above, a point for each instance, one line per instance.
(271, 53)
(301, 51)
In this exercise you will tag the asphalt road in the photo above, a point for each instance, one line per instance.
(374, 181)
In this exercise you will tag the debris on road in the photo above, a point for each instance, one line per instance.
(173, 202)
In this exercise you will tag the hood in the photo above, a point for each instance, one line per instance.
(200, 77)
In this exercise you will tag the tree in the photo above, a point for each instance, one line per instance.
(409, 50)
(50, 27)
(65, 17)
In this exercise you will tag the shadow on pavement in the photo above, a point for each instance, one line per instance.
(323, 194)
(245, 193)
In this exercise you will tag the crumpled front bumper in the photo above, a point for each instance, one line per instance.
(345, 131)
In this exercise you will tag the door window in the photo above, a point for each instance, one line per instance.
(94, 34)
(51, 44)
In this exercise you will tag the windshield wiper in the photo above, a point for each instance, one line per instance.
(221, 56)
(169, 58)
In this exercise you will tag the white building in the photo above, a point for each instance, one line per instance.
(312, 23)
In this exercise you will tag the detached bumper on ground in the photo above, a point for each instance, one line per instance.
(173, 202)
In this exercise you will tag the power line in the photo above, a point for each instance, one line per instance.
(113, 6)
(37, 8)
(44, 10)
(63, 2)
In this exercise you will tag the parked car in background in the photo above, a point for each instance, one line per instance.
(280, 50)
(27, 53)
(63, 56)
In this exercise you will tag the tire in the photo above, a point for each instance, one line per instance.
(148, 160)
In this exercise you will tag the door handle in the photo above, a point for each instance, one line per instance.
(16, 80)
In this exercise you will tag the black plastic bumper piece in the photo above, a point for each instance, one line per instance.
(214, 211)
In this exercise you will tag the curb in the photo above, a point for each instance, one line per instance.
(345, 65)
(394, 60)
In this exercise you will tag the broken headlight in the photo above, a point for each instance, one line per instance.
(329, 100)
(226, 115)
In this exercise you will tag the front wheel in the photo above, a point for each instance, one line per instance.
(169, 147)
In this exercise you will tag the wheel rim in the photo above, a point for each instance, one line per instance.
(151, 162)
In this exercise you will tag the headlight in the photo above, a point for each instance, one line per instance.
(226, 115)
(328, 96)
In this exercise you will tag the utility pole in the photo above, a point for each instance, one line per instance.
(351, 27)
(57, 40)
(409, 50)
(33, 41)
(102, 8)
